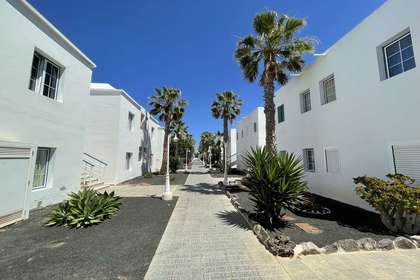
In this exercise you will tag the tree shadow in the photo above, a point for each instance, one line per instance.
(234, 219)
(203, 188)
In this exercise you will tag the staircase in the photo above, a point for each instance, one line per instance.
(93, 171)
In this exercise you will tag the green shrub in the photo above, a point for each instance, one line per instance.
(84, 208)
(275, 182)
(174, 163)
(394, 199)
(148, 175)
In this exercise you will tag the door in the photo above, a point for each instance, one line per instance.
(407, 160)
(14, 166)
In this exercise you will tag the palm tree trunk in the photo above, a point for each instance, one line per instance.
(225, 142)
(165, 149)
(270, 115)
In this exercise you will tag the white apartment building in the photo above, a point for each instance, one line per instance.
(354, 111)
(45, 80)
(231, 149)
(122, 140)
(250, 133)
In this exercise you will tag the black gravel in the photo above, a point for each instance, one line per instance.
(343, 223)
(158, 180)
(119, 248)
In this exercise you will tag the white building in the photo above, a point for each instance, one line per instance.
(122, 140)
(250, 133)
(354, 111)
(231, 150)
(45, 81)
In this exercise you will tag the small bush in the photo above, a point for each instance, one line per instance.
(394, 199)
(276, 182)
(174, 163)
(148, 175)
(85, 208)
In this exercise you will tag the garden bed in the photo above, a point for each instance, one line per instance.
(345, 228)
(119, 248)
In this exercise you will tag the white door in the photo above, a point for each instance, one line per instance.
(14, 166)
(407, 161)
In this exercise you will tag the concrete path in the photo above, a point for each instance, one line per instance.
(207, 239)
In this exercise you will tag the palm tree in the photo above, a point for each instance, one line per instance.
(277, 52)
(206, 142)
(179, 129)
(226, 107)
(168, 106)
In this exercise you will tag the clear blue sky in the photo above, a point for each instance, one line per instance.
(139, 45)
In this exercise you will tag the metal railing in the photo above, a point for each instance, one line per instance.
(92, 168)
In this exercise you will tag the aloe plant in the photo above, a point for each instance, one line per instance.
(275, 182)
(85, 208)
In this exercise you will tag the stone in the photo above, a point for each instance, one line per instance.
(307, 248)
(404, 243)
(385, 244)
(228, 194)
(281, 246)
(348, 245)
(416, 239)
(330, 249)
(256, 229)
(368, 244)
(263, 236)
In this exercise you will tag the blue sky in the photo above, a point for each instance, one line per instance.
(139, 45)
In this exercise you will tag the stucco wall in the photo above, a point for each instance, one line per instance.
(368, 116)
(32, 118)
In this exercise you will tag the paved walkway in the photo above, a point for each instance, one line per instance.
(207, 239)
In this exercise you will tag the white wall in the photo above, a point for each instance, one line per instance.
(31, 118)
(247, 136)
(156, 139)
(233, 157)
(368, 116)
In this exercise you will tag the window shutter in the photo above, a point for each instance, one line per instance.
(332, 161)
(407, 160)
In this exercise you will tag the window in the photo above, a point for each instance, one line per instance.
(332, 163)
(242, 133)
(237, 135)
(130, 121)
(128, 157)
(309, 160)
(255, 127)
(328, 90)
(44, 76)
(140, 153)
(42, 162)
(399, 56)
(305, 101)
(280, 113)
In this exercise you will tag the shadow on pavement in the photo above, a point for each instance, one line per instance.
(203, 188)
(233, 219)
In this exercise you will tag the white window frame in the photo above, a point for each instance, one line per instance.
(47, 168)
(400, 53)
(306, 160)
(304, 109)
(324, 99)
(40, 78)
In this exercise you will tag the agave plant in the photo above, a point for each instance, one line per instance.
(275, 183)
(85, 208)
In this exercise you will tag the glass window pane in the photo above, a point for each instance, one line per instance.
(395, 59)
(395, 70)
(45, 92)
(392, 49)
(409, 64)
(407, 53)
(41, 167)
(51, 94)
(34, 72)
(405, 42)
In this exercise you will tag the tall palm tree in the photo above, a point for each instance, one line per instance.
(179, 129)
(277, 52)
(226, 107)
(206, 142)
(169, 107)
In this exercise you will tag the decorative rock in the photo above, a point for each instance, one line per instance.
(404, 243)
(228, 194)
(263, 236)
(385, 244)
(329, 249)
(368, 244)
(307, 248)
(281, 246)
(256, 229)
(416, 239)
(348, 245)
